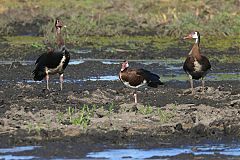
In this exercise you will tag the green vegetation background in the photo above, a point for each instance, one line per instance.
(132, 24)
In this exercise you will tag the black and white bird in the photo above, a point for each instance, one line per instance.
(136, 78)
(54, 61)
(196, 65)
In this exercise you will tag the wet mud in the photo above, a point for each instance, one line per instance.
(31, 114)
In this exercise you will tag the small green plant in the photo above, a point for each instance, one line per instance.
(37, 45)
(174, 107)
(30, 127)
(48, 123)
(145, 110)
(82, 119)
(60, 117)
(34, 127)
(70, 112)
(111, 108)
(82, 116)
(38, 129)
(163, 115)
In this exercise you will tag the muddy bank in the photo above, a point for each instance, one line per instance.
(103, 111)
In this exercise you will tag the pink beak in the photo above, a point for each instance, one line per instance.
(188, 37)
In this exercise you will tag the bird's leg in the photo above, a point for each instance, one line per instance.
(203, 85)
(47, 78)
(61, 81)
(191, 83)
(135, 96)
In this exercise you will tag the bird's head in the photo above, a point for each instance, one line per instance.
(193, 35)
(58, 25)
(124, 65)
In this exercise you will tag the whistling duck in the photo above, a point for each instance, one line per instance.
(135, 78)
(196, 65)
(54, 61)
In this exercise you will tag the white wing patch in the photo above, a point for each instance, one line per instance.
(140, 85)
(197, 66)
(58, 68)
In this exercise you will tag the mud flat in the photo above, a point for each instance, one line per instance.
(102, 110)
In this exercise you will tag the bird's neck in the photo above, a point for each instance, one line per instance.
(197, 41)
(195, 51)
(59, 39)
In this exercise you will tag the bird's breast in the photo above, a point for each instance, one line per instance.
(58, 68)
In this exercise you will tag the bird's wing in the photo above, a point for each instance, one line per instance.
(188, 65)
(205, 63)
(132, 77)
(149, 76)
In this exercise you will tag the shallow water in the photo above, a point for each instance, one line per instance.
(224, 150)
(169, 70)
(7, 153)
(164, 78)
(220, 149)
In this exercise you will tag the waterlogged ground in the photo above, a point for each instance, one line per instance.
(200, 151)
(97, 111)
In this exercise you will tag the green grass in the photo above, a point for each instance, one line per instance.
(25, 40)
(225, 58)
(135, 17)
(133, 26)
(130, 43)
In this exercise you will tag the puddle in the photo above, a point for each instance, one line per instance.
(93, 78)
(211, 150)
(110, 62)
(174, 76)
(172, 69)
(103, 78)
(24, 63)
(17, 62)
(81, 51)
(7, 153)
(220, 149)
(76, 62)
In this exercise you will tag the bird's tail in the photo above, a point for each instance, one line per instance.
(155, 84)
(38, 74)
(154, 81)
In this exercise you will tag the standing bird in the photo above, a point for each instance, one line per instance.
(136, 78)
(196, 65)
(54, 61)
